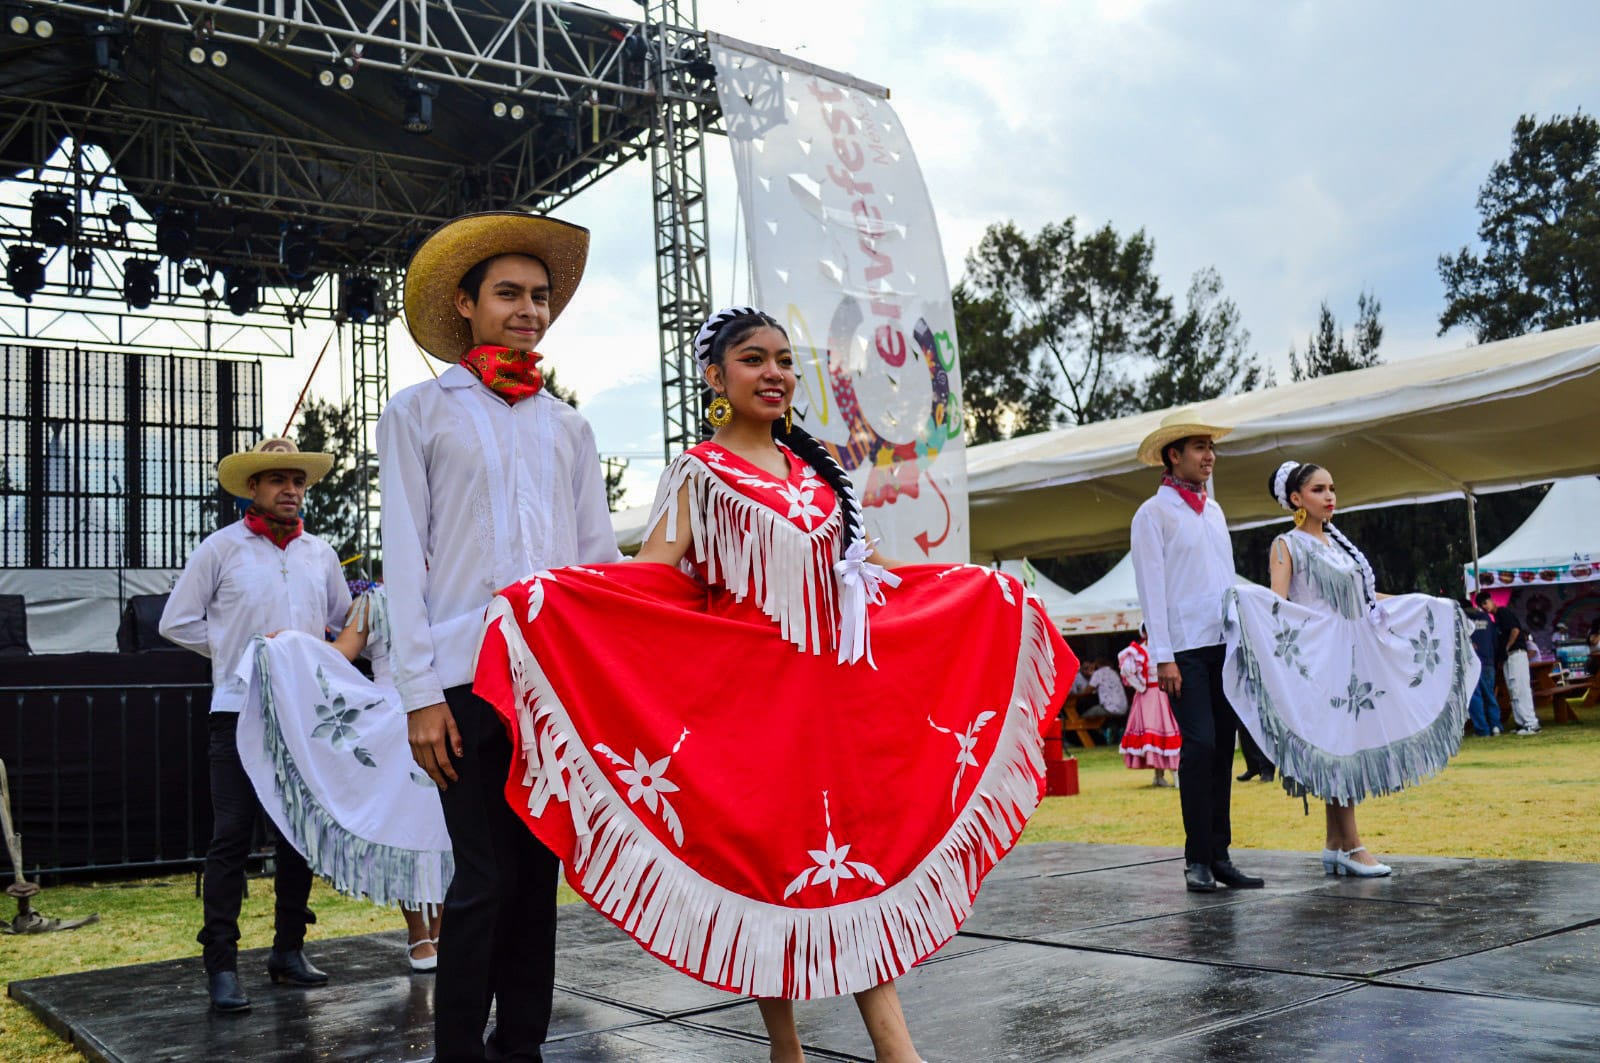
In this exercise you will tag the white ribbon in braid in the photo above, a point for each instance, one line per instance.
(1280, 483)
(706, 338)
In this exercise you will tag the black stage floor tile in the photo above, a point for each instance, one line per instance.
(1561, 967)
(1035, 1003)
(1074, 951)
(1377, 1023)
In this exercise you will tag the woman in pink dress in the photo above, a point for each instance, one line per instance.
(1152, 739)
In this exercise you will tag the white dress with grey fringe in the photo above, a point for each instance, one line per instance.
(1349, 698)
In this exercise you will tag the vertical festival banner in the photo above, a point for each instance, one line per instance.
(844, 250)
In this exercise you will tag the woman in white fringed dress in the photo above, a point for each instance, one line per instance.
(1352, 694)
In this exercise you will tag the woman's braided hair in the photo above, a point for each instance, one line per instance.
(1291, 477)
(726, 329)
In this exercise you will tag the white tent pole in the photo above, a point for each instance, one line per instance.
(1472, 535)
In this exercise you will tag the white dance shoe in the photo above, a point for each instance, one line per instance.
(423, 964)
(1342, 864)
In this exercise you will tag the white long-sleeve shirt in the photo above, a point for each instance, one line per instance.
(1183, 565)
(478, 493)
(238, 585)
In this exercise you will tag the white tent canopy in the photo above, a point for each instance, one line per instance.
(1110, 603)
(1558, 543)
(1487, 417)
(1056, 598)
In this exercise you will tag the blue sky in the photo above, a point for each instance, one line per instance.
(1306, 150)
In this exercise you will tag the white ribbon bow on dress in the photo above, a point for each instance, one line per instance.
(861, 584)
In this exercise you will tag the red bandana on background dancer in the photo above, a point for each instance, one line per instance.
(1193, 493)
(508, 372)
(279, 531)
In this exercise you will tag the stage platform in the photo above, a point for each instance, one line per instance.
(1074, 952)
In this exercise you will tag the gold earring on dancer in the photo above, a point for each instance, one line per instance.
(720, 412)
(788, 420)
(1300, 516)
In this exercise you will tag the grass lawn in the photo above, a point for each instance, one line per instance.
(1524, 798)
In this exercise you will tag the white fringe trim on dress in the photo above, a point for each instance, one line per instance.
(738, 540)
(747, 945)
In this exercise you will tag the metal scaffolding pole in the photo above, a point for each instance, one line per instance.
(686, 109)
(369, 361)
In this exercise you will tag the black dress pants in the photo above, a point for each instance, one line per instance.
(498, 933)
(234, 808)
(1205, 764)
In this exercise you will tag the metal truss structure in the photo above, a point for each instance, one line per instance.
(589, 92)
(687, 111)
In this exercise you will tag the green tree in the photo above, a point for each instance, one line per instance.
(1539, 224)
(333, 508)
(1329, 351)
(1207, 353)
(1062, 329)
(1004, 393)
(1086, 312)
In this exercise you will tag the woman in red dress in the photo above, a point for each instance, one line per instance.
(779, 766)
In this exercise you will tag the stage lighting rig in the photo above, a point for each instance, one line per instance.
(202, 52)
(51, 218)
(141, 282)
(419, 105)
(298, 249)
(21, 21)
(120, 215)
(340, 76)
(241, 289)
(358, 298)
(508, 109)
(25, 271)
(174, 233)
(80, 271)
(106, 38)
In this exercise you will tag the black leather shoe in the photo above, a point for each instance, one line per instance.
(292, 968)
(1249, 773)
(227, 995)
(1230, 876)
(1198, 879)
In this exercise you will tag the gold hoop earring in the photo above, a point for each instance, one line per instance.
(720, 412)
(788, 420)
(1300, 516)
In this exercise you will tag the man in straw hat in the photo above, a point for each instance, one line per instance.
(486, 479)
(256, 576)
(1183, 563)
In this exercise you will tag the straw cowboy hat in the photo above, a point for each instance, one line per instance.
(444, 257)
(235, 470)
(1179, 424)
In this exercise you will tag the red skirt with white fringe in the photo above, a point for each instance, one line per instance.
(767, 820)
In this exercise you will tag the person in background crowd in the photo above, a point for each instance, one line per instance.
(1512, 650)
(1485, 707)
(1110, 698)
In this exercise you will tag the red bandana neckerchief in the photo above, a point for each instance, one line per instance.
(508, 372)
(279, 531)
(1193, 494)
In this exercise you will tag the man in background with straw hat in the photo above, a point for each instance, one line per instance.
(486, 479)
(257, 576)
(1183, 564)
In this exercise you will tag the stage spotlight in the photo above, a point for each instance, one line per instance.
(174, 233)
(297, 250)
(194, 276)
(51, 218)
(508, 109)
(44, 29)
(358, 298)
(120, 215)
(141, 282)
(197, 53)
(106, 37)
(332, 77)
(499, 109)
(419, 105)
(241, 289)
(218, 56)
(25, 271)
